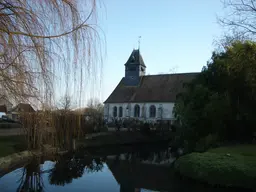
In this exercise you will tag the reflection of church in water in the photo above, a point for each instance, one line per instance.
(142, 174)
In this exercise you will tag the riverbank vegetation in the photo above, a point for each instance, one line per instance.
(59, 128)
(217, 113)
(219, 105)
(233, 166)
(125, 138)
(11, 144)
(49, 49)
(218, 109)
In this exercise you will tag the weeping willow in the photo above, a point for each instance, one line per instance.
(49, 48)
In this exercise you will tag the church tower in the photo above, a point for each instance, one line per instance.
(134, 68)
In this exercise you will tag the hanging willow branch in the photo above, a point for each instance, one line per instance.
(45, 44)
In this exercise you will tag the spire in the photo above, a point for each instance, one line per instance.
(134, 68)
(139, 42)
(135, 58)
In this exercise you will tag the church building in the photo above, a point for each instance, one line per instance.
(145, 97)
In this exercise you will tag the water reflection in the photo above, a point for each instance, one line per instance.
(69, 167)
(31, 179)
(123, 170)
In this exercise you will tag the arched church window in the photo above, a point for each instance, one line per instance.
(115, 111)
(152, 111)
(137, 111)
(120, 111)
(160, 111)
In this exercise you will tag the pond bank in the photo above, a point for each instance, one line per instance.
(16, 160)
(123, 138)
(12, 144)
(233, 166)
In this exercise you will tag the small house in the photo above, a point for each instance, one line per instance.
(21, 108)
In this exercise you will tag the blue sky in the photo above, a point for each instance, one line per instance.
(176, 35)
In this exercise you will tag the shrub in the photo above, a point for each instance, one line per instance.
(145, 128)
(111, 124)
(206, 142)
(132, 123)
(104, 129)
(219, 168)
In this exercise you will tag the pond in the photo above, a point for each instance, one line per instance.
(123, 169)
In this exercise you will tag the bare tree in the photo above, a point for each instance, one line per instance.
(95, 103)
(42, 41)
(226, 40)
(240, 17)
(95, 107)
(173, 70)
(65, 103)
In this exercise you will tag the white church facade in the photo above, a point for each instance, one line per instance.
(141, 110)
(144, 97)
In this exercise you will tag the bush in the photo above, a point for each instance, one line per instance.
(224, 169)
(104, 129)
(137, 124)
(111, 124)
(145, 128)
(206, 143)
(133, 124)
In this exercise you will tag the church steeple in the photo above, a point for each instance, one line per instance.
(134, 68)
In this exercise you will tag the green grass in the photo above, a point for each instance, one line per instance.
(245, 150)
(11, 144)
(227, 166)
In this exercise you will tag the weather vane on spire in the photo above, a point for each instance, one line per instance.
(139, 42)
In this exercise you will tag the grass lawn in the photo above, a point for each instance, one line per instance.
(244, 150)
(227, 166)
(11, 144)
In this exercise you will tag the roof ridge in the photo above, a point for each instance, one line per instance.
(114, 89)
(152, 88)
(172, 74)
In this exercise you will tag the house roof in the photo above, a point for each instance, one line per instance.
(135, 58)
(24, 107)
(3, 108)
(152, 88)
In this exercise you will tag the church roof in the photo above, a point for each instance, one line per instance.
(135, 58)
(152, 88)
